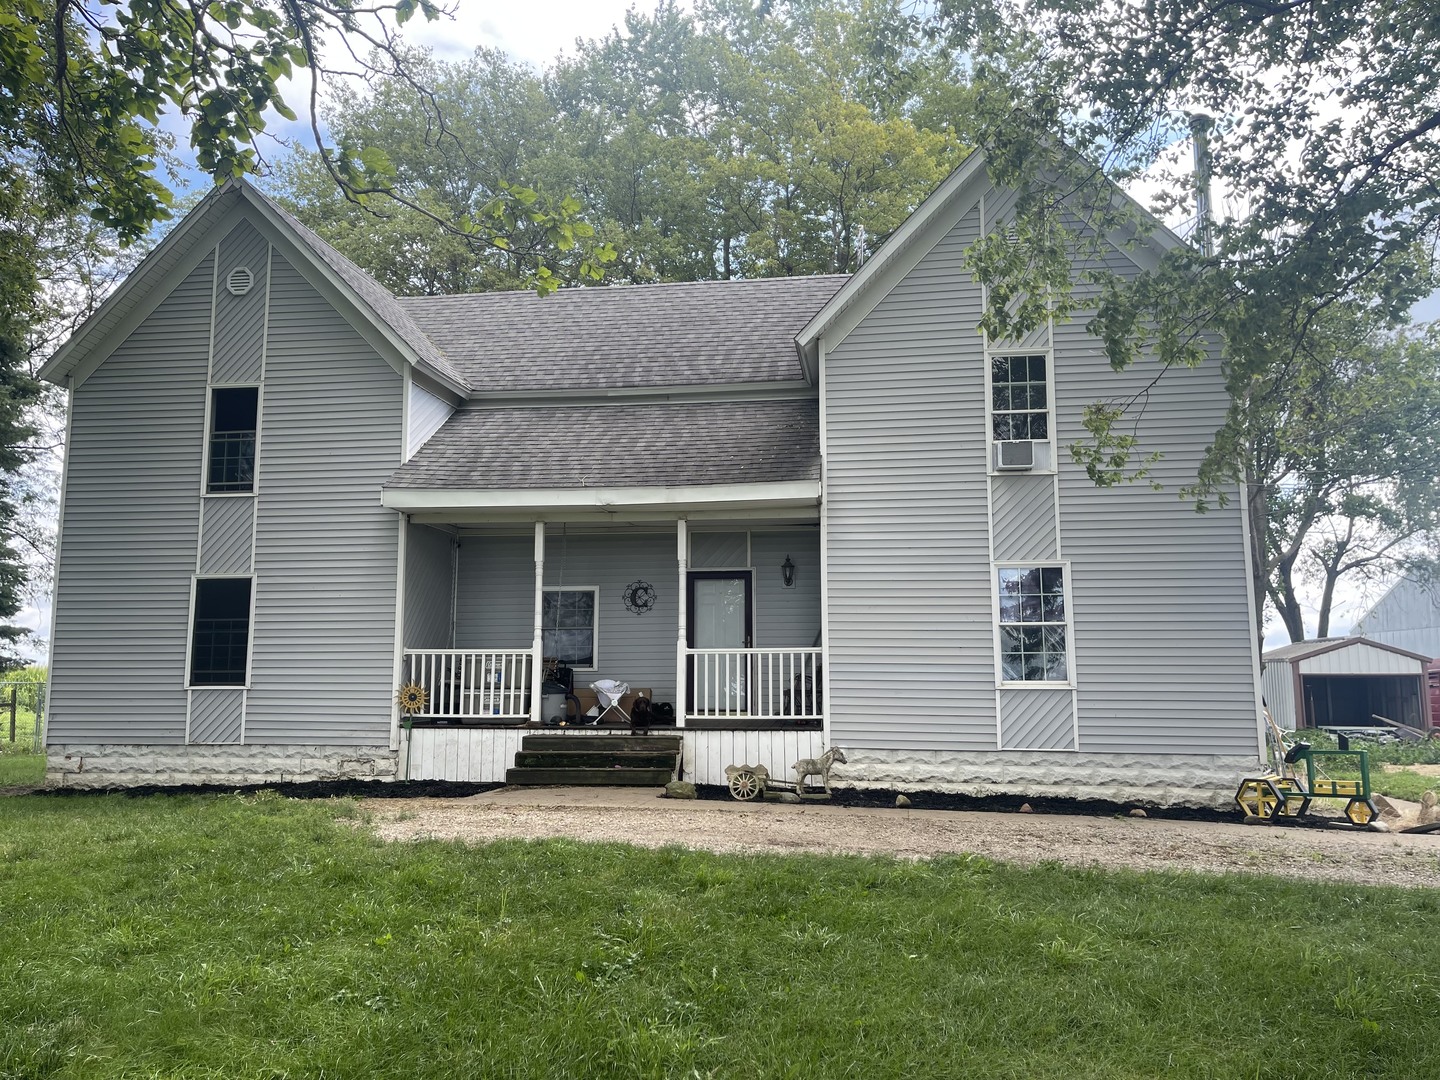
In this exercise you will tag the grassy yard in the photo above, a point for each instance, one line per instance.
(260, 937)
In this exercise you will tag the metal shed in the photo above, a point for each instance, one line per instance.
(1345, 683)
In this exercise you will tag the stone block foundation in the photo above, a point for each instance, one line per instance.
(1155, 779)
(118, 766)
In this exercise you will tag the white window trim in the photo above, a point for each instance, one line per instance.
(1034, 684)
(195, 579)
(990, 440)
(595, 625)
(210, 389)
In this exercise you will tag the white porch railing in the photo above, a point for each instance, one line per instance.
(757, 684)
(471, 686)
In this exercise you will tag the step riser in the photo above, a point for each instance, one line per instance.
(591, 777)
(601, 743)
(565, 759)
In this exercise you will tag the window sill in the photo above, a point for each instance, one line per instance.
(1036, 685)
(229, 494)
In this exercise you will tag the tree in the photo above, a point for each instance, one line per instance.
(1326, 150)
(729, 142)
(1324, 153)
(1346, 455)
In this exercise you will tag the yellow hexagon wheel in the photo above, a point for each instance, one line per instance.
(1258, 797)
(1360, 812)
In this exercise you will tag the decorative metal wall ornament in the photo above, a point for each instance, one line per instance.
(639, 597)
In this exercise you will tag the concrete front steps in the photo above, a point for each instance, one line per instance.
(596, 760)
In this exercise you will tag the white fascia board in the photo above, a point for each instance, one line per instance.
(707, 496)
(145, 287)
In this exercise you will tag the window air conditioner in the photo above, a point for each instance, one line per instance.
(1015, 455)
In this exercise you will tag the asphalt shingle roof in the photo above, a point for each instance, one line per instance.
(669, 443)
(695, 333)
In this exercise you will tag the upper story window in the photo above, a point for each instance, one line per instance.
(1019, 398)
(568, 625)
(233, 413)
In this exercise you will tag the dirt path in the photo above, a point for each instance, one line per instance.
(636, 816)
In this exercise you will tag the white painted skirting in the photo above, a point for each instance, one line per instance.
(704, 754)
(480, 755)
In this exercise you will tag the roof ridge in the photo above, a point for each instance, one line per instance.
(623, 286)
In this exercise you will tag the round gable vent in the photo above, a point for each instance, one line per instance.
(239, 280)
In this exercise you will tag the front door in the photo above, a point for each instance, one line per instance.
(721, 618)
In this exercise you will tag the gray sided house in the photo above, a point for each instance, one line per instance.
(808, 512)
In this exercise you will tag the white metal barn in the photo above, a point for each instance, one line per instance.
(1344, 683)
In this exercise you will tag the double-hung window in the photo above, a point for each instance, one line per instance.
(220, 632)
(1019, 398)
(568, 624)
(1034, 631)
(234, 411)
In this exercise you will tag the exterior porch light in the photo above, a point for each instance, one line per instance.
(787, 572)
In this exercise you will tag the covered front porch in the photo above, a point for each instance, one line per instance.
(718, 619)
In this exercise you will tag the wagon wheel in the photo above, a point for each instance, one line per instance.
(1259, 798)
(1361, 811)
(746, 786)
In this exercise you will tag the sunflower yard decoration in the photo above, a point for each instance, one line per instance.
(412, 698)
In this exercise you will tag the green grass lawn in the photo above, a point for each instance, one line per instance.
(260, 937)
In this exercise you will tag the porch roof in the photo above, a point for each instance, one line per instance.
(664, 445)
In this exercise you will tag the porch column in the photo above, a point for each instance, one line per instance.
(538, 643)
(682, 556)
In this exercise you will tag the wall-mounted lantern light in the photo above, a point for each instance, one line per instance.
(787, 572)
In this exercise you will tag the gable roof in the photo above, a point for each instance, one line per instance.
(670, 444)
(676, 334)
(917, 235)
(219, 211)
(1299, 650)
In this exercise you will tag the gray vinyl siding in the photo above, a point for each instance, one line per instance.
(240, 320)
(911, 645)
(495, 607)
(429, 577)
(1159, 616)
(326, 551)
(637, 649)
(495, 593)
(1023, 511)
(1037, 720)
(217, 716)
(786, 618)
(729, 550)
(131, 519)
(227, 533)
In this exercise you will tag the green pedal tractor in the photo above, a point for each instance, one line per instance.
(1288, 793)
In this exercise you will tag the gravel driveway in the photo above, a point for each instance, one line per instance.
(638, 816)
